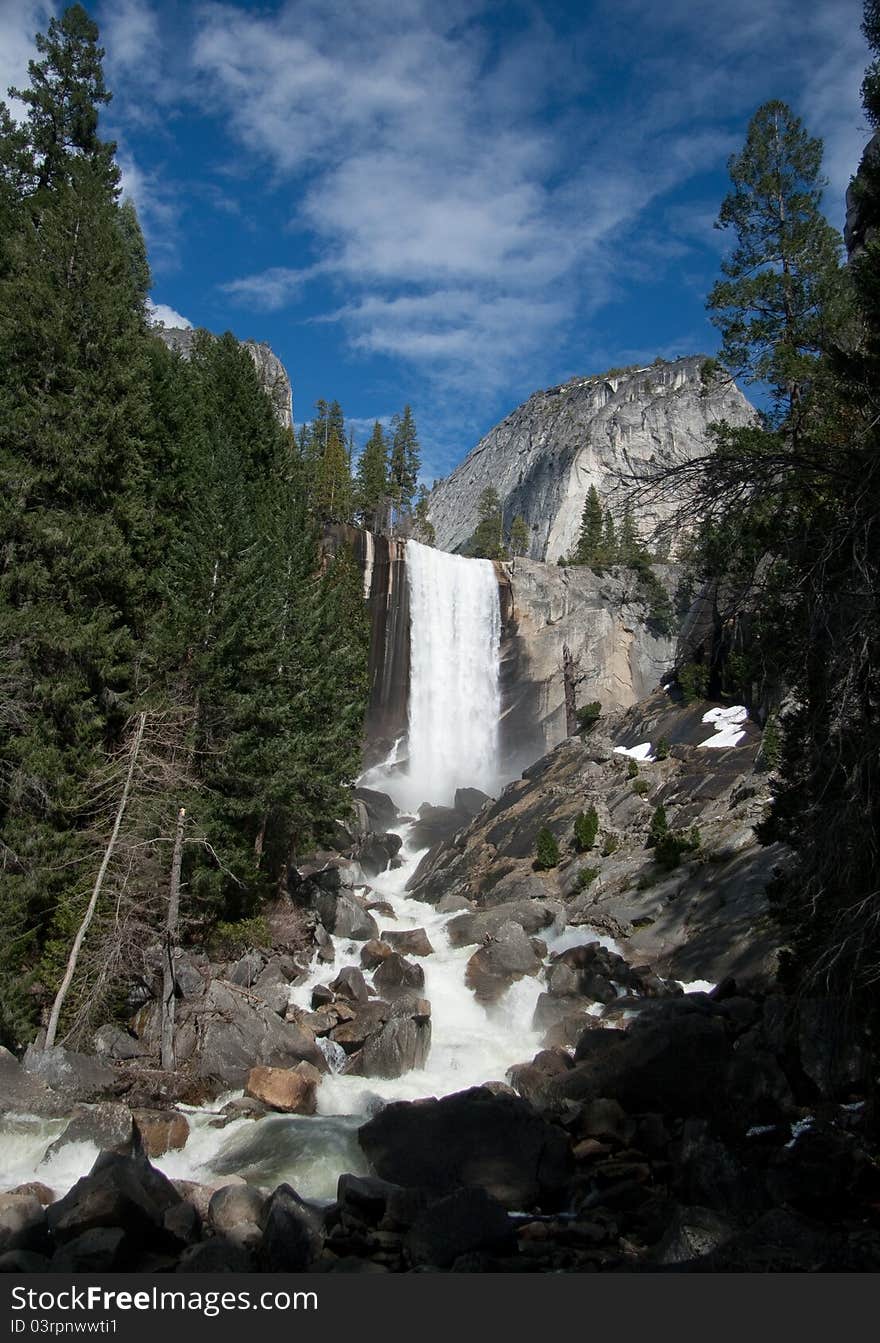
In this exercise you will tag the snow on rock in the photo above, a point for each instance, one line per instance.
(641, 752)
(726, 723)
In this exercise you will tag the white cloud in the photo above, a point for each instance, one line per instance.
(162, 315)
(19, 21)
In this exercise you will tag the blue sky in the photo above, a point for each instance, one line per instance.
(452, 203)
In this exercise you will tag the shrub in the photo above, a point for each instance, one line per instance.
(546, 849)
(586, 828)
(641, 787)
(228, 941)
(586, 876)
(771, 743)
(632, 769)
(659, 826)
(588, 715)
(610, 844)
(661, 750)
(674, 844)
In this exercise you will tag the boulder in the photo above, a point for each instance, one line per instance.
(292, 1235)
(290, 1090)
(80, 1077)
(113, 1042)
(482, 1138)
(691, 1234)
(350, 983)
(402, 1044)
(506, 956)
(397, 975)
(220, 1254)
(247, 969)
(23, 1223)
(381, 811)
(234, 1206)
(377, 852)
(369, 1018)
(413, 942)
(374, 952)
(530, 1079)
(23, 1261)
(37, 1190)
(531, 915)
(99, 1250)
(464, 1221)
(119, 1191)
(343, 916)
(109, 1125)
(161, 1131)
(236, 1033)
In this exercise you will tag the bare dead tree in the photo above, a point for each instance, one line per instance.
(171, 937)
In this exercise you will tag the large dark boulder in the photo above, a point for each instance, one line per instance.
(342, 915)
(235, 1034)
(531, 915)
(109, 1125)
(397, 975)
(377, 852)
(478, 1139)
(80, 1077)
(292, 1233)
(402, 1044)
(468, 1220)
(508, 955)
(119, 1191)
(381, 811)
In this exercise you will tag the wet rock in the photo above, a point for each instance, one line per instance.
(368, 1198)
(118, 1192)
(376, 853)
(290, 1090)
(292, 1236)
(100, 1250)
(507, 955)
(322, 995)
(532, 916)
(381, 811)
(23, 1261)
(606, 1121)
(368, 1019)
(452, 903)
(35, 1189)
(23, 1224)
(234, 1207)
(343, 916)
(413, 942)
(529, 1080)
(109, 1125)
(467, 1220)
(374, 952)
(397, 975)
(79, 1077)
(402, 1044)
(350, 983)
(236, 1033)
(161, 1131)
(324, 943)
(481, 1138)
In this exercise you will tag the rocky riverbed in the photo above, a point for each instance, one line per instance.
(448, 1058)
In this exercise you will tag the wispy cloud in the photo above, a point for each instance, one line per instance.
(162, 315)
(19, 21)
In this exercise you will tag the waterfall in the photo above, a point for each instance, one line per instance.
(454, 696)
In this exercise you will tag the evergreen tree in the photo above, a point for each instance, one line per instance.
(372, 481)
(589, 548)
(520, 537)
(487, 541)
(630, 548)
(405, 461)
(775, 304)
(64, 99)
(333, 484)
(610, 547)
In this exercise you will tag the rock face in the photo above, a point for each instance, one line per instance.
(272, 374)
(607, 627)
(544, 457)
(855, 234)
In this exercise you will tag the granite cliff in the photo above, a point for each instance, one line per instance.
(543, 458)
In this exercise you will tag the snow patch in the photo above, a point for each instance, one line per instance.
(641, 752)
(726, 723)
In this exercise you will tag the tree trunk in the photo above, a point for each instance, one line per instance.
(52, 1029)
(171, 935)
(568, 676)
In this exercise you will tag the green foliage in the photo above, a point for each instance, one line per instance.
(588, 715)
(372, 486)
(487, 542)
(658, 827)
(661, 750)
(641, 787)
(610, 844)
(230, 940)
(693, 681)
(673, 845)
(589, 549)
(771, 742)
(520, 536)
(586, 828)
(405, 460)
(782, 277)
(586, 876)
(632, 769)
(546, 849)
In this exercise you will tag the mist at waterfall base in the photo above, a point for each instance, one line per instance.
(453, 742)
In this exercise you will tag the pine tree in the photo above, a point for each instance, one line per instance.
(487, 541)
(775, 305)
(372, 481)
(589, 544)
(630, 548)
(405, 461)
(610, 548)
(333, 484)
(520, 536)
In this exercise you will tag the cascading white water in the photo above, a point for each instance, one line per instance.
(454, 696)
